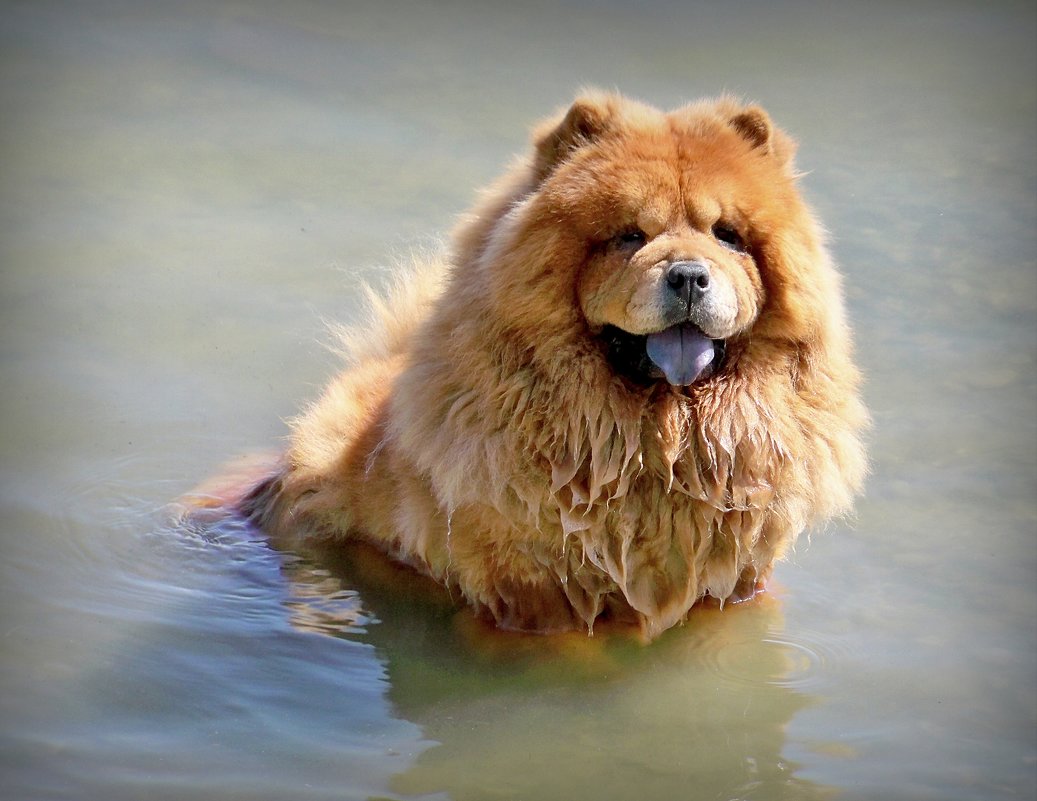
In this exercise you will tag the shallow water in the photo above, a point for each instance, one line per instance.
(187, 192)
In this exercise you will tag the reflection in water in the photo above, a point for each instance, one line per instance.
(324, 606)
(527, 716)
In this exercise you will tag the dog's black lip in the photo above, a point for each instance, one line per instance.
(628, 356)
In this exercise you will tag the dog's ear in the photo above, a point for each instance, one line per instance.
(587, 119)
(754, 125)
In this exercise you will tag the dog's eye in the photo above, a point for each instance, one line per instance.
(631, 239)
(729, 237)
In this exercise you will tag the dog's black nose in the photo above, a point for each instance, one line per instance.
(689, 279)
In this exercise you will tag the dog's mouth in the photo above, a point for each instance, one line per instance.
(681, 354)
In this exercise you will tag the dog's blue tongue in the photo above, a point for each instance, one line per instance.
(682, 352)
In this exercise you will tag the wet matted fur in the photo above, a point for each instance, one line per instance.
(627, 387)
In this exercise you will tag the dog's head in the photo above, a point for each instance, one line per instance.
(667, 237)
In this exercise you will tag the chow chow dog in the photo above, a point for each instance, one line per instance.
(628, 386)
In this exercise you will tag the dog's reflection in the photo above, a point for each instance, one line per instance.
(699, 713)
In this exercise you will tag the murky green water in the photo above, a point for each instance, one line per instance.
(187, 190)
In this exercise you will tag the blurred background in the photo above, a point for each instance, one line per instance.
(190, 191)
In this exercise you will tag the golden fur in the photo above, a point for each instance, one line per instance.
(484, 435)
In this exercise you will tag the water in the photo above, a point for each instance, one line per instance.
(187, 191)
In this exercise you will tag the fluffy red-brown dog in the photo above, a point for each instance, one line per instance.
(629, 386)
